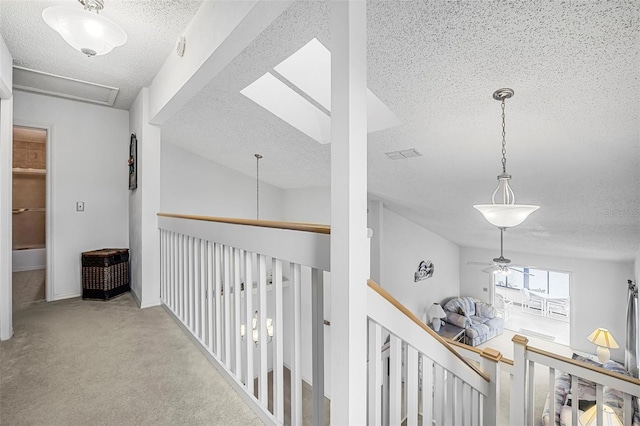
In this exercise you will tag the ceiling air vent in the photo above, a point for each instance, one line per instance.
(54, 85)
(401, 155)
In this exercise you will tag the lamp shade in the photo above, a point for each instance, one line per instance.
(88, 32)
(609, 417)
(602, 337)
(436, 311)
(506, 215)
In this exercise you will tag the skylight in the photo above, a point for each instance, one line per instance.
(309, 71)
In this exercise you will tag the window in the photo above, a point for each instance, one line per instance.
(553, 283)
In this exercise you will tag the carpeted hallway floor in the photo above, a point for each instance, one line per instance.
(77, 362)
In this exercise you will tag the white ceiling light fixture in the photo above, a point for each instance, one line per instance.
(85, 30)
(507, 213)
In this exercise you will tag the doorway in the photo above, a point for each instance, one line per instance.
(29, 216)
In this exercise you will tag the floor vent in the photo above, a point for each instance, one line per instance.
(34, 81)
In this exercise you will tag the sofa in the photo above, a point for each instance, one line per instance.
(479, 319)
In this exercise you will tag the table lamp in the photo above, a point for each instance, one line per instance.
(604, 340)
(609, 417)
(436, 313)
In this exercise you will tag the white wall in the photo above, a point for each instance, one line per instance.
(598, 291)
(220, 190)
(6, 155)
(405, 245)
(89, 146)
(310, 205)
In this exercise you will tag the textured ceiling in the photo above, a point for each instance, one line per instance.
(573, 138)
(572, 128)
(152, 27)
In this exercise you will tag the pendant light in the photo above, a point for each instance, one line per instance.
(505, 213)
(85, 30)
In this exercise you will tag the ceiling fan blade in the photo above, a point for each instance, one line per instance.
(489, 270)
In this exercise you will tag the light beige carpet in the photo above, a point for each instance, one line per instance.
(76, 362)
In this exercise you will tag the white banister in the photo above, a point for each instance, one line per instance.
(219, 276)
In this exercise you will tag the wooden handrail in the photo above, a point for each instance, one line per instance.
(628, 379)
(389, 298)
(293, 226)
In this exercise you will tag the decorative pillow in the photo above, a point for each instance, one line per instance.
(613, 397)
(484, 310)
(458, 320)
(462, 311)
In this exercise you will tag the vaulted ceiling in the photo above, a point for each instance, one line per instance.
(573, 126)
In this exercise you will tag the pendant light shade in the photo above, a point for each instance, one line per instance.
(504, 213)
(85, 30)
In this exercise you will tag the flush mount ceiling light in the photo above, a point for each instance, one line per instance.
(85, 30)
(507, 213)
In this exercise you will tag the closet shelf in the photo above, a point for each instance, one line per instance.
(23, 171)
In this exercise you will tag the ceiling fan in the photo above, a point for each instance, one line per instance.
(500, 264)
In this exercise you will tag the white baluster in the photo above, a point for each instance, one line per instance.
(476, 415)
(183, 279)
(196, 287)
(237, 313)
(317, 346)
(427, 390)
(531, 390)
(395, 380)
(278, 342)
(218, 298)
(574, 403)
(262, 328)
(227, 306)
(438, 395)
(412, 386)
(192, 284)
(248, 300)
(375, 375)
(296, 368)
(203, 291)
(627, 416)
(599, 402)
(174, 264)
(210, 294)
(450, 405)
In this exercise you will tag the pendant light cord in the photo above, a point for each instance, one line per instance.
(258, 157)
(504, 142)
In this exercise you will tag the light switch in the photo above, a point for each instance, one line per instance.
(485, 289)
(80, 206)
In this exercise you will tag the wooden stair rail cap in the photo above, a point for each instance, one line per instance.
(292, 226)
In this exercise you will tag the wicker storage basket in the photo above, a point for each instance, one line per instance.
(105, 273)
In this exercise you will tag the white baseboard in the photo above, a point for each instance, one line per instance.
(66, 296)
(150, 304)
(136, 298)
